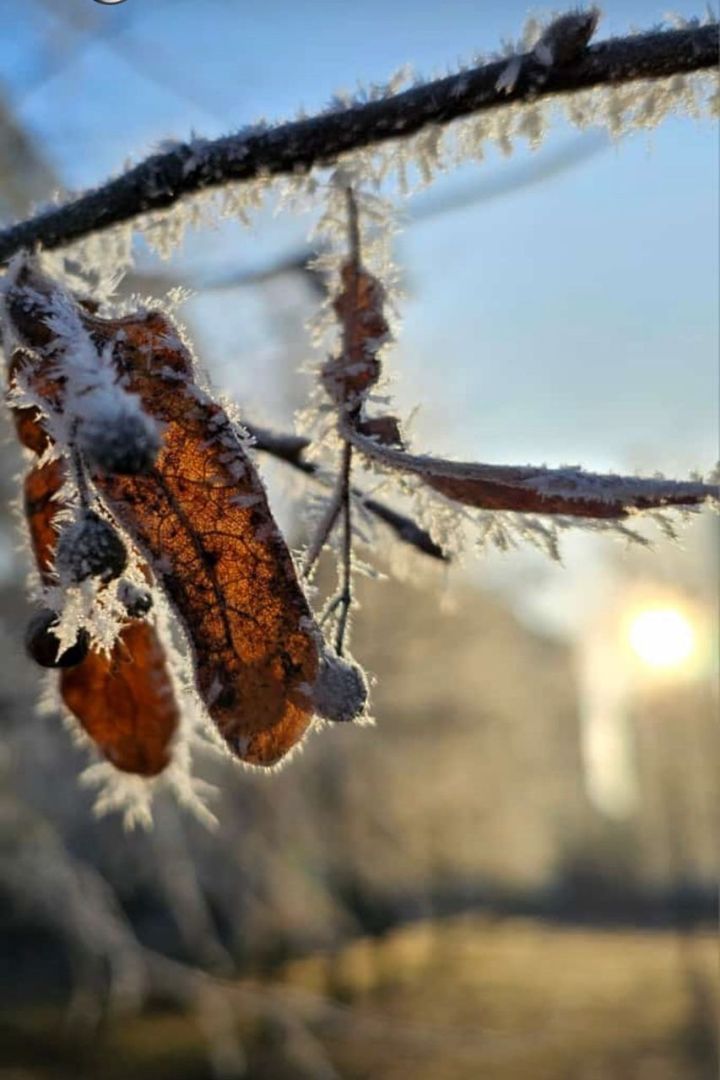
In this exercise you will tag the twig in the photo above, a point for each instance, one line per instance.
(290, 449)
(163, 179)
(326, 525)
(345, 597)
(78, 469)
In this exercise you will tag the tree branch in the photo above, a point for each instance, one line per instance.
(290, 449)
(163, 179)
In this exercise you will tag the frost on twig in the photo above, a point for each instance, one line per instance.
(362, 128)
(347, 377)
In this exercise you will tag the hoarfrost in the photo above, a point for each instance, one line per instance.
(414, 161)
(340, 692)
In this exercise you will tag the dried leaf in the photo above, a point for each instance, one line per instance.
(202, 520)
(124, 701)
(569, 491)
(359, 307)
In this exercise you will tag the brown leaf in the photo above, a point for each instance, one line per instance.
(41, 487)
(202, 520)
(525, 489)
(359, 307)
(564, 492)
(124, 701)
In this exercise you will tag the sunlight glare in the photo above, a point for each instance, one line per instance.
(662, 637)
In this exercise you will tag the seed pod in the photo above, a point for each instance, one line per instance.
(341, 691)
(42, 645)
(120, 440)
(136, 600)
(90, 548)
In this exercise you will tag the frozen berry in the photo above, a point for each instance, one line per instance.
(340, 692)
(120, 441)
(90, 548)
(136, 600)
(42, 645)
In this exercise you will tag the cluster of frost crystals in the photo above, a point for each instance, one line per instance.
(132, 796)
(109, 424)
(456, 527)
(90, 548)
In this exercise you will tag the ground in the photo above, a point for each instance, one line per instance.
(500, 999)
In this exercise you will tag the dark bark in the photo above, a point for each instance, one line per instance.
(163, 179)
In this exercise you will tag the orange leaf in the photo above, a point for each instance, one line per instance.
(202, 520)
(530, 490)
(124, 701)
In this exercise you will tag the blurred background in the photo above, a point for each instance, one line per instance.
(513, 875)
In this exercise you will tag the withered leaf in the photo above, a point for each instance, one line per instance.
(359, 307)
(565, 491)
(124, 700)
(202, 520)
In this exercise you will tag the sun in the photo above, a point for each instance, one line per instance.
(662, 637)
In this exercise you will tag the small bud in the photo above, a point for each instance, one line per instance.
(340, 692)
(384, 429)
(90, 548)
(120, 440)
(42, 645)
(566, 38)
(136, 600)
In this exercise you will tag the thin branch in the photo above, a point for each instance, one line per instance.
(290, 449)
(163, 179)
(345, 598)
(326, 525)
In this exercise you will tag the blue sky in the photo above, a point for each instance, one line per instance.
(571, 321)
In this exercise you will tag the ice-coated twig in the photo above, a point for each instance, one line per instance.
(326, 525)
(162, 179)
(345, 595)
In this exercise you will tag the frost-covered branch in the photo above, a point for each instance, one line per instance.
(162, 179)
